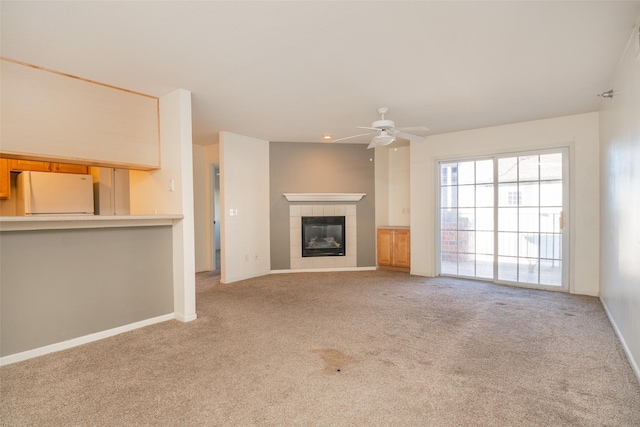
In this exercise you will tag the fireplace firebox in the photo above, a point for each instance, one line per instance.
(323, 236)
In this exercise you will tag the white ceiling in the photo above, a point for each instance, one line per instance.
(291, 71)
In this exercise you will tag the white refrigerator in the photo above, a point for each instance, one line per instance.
(48, 193)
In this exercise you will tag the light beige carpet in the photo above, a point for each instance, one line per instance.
(343, 349)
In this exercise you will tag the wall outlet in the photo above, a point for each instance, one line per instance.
(172, 185)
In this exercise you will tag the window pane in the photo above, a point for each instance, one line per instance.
(449, 174)
(508, 244)
(466, 219)
(551, 193)
(466, 264)
(551, 166)
(484, 195)
(508, 169)
(528, 168)
(508, 269)
(484, 171)
(466, 197)
(528, 245)
(528, 219)
(529, 193)
(550, 272)
(508, 219)
(449, 219)
(508, 195)
(484, 242)
(449, 263)
(551, 246)
(466, 241)
(449, 241)
(484, 266)
(550, 220)
(528, 270)
(466, 173)
(449, 197)
(484, 219)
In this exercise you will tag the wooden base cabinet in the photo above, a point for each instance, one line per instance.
(394, 249)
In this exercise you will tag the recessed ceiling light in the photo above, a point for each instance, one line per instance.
(327, 137)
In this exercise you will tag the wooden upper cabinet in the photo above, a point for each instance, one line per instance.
(29, 165)
(70, 117)
(69, 168)
(5, 179)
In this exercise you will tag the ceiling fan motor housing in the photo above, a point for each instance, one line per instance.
(383, 124)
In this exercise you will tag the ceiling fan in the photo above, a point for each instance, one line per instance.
(385, 132)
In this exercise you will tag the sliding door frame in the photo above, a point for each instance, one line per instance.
(566, 214)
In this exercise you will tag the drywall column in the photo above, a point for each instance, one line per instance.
(169, 190)
(178, 128)
(244, 187)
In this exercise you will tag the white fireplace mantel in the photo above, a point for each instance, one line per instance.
(324, 197)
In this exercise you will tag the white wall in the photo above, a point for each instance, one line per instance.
(382, 186)
(151, 193)
(201, 208)
(620, 208)
(579, 133)
(244, 173)
(392, 185)
(399, 178)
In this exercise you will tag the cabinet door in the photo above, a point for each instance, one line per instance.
(68, 168)
(385, 245)
(402, 248)
(29, 165)
(5, 179)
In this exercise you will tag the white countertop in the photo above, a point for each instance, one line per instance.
(57, 222)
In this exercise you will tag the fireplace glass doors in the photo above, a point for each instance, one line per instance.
(323, 236)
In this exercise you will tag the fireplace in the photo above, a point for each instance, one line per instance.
(323, 236)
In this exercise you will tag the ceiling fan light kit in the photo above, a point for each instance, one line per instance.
(385, 132)
(383, 138)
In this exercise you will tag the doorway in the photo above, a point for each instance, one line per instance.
(215, 216)
(503, 218)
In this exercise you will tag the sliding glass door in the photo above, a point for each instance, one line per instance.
(503, 219)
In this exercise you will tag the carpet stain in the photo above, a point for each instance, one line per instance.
(334, 360)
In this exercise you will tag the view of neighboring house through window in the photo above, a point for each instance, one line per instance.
(502, 219)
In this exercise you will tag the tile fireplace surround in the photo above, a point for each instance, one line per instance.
(297, 262)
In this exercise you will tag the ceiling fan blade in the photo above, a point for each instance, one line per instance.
(350, 137)
(414, 129)
(367, 127)
(410, 137)
(372, 144)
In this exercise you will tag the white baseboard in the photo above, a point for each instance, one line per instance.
(188, 318)
(322, 270)
(19, 357)
(632, 361)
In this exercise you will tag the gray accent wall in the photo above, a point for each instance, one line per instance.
(321, 168)
(56, 285)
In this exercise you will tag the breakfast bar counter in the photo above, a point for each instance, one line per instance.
(59, 222)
